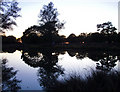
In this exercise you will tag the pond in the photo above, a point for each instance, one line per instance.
(36, 69)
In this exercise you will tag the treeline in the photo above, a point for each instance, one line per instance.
(72, 38)
(10, 40)
(35, 38)
(47, 33)
(33, 35)
(94, 38)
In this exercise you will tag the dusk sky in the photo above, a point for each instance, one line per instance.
(80, 15)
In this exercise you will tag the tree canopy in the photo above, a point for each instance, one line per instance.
(48, 18)
(106, 28)
(48, 27)
(8, 14)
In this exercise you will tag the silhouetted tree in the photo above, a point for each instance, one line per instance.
(106, 28)
(82, 37)
(49, 22)
(71, 38)
(9, 40)
(96, 37)
(48, 28)
(33, 29)
(48, 16)
(8, 13)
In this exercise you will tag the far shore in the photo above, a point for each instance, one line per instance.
(86, 46)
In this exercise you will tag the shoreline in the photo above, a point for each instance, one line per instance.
(82, 47)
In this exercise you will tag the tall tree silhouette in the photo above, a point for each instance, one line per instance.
(8, 13)
(48, 20)
(49, 25)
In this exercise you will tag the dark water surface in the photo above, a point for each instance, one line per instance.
(37, 69)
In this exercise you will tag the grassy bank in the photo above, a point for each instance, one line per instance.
(97, 82)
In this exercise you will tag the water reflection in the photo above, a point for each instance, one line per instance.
(107, 63)
(9, 49)
(9, 81)
(46, 77)
(46, 60)
(105, 60)
(81, 55)
(42, 58)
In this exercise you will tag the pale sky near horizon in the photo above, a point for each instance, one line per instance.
(80, 15)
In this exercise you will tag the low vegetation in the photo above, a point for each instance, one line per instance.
(98, 81)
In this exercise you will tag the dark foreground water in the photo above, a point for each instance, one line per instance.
(36, 69)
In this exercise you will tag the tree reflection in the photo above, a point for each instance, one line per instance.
(105, 60)
(46, 60)
(32, 58)
(96, 55)
(48, 76)
(71, 53)
(9, 81)
(10, 49)
(49, 71)
(81, 55)
(77, 53)
(107, 63)
(39, 58)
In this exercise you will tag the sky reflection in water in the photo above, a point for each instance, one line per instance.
(29, 75)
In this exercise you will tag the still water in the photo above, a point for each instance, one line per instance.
(36, 69)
